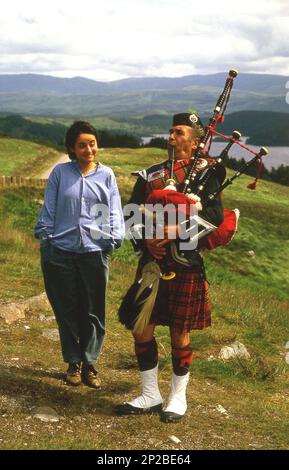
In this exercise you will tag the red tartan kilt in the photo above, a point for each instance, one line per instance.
(183, 302)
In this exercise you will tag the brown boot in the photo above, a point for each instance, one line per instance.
(89, 376)
(73, 376)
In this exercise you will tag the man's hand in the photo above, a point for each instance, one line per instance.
(156, 248)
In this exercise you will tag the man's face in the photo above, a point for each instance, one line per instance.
(183, 140)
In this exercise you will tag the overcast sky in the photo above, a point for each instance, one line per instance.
(113, 39)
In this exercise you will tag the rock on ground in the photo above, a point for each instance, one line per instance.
(45, 414)
(235, 349)
(51, 333)
(18, 311)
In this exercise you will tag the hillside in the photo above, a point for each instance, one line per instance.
(263, 128)
(21, 158)
(250, 304)
(44, 95)
(79, 85)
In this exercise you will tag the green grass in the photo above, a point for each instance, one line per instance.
(250, 304)
(22, 158)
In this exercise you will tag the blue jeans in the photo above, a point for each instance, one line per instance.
(76, 288)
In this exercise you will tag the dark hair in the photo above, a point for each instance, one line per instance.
(78, 127)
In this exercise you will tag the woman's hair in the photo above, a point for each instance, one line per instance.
(78, 127)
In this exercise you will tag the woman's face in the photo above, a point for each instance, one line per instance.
(85, 148)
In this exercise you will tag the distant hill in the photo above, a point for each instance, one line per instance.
(264, 128)
(79, 85)
(45, 95)
(18, 127)
(34, 83)
(53, 133)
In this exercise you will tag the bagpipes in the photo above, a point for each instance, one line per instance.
(138, 303)
(212, 237)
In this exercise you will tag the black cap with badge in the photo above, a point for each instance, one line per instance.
(187, 119)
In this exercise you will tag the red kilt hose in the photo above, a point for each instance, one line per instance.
(183, 302)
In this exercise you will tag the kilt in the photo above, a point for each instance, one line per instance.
(183, 302)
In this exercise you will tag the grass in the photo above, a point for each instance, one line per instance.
(22, 158)
(250, 304)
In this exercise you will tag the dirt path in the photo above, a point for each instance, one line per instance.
(46, 173)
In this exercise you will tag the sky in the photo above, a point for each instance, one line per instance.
(114, 39)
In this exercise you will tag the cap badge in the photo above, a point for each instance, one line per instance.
(193, 118)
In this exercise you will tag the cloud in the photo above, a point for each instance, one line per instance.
(117, 39)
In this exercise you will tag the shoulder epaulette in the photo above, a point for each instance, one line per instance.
(145, 173)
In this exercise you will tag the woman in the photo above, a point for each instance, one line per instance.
(79, 225)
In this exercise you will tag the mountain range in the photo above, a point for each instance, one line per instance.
(52, 96)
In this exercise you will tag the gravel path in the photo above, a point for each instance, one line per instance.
(46, 173)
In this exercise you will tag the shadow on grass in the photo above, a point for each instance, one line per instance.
(32, 387)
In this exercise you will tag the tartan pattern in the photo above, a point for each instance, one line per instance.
(181, 359)
(183, 302)
(181, 169)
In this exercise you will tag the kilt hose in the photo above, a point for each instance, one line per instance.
(183, 302)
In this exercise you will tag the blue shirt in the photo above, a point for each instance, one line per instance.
(81, 213)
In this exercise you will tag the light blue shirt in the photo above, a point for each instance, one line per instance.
(81, 213)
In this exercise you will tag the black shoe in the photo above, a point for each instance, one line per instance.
(127, 409)
(170, 417)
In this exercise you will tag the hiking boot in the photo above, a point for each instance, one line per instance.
(73, 376)
(89, 376)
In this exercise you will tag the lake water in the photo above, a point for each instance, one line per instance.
(277, 155)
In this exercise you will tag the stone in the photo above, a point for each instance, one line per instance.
(36, 304)
(46, 318)
(251, 253)
(226, 353)
(221, 410)
(45, 414)
(175, 439)
(51, 333)
(235, 349)
(13, 312)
